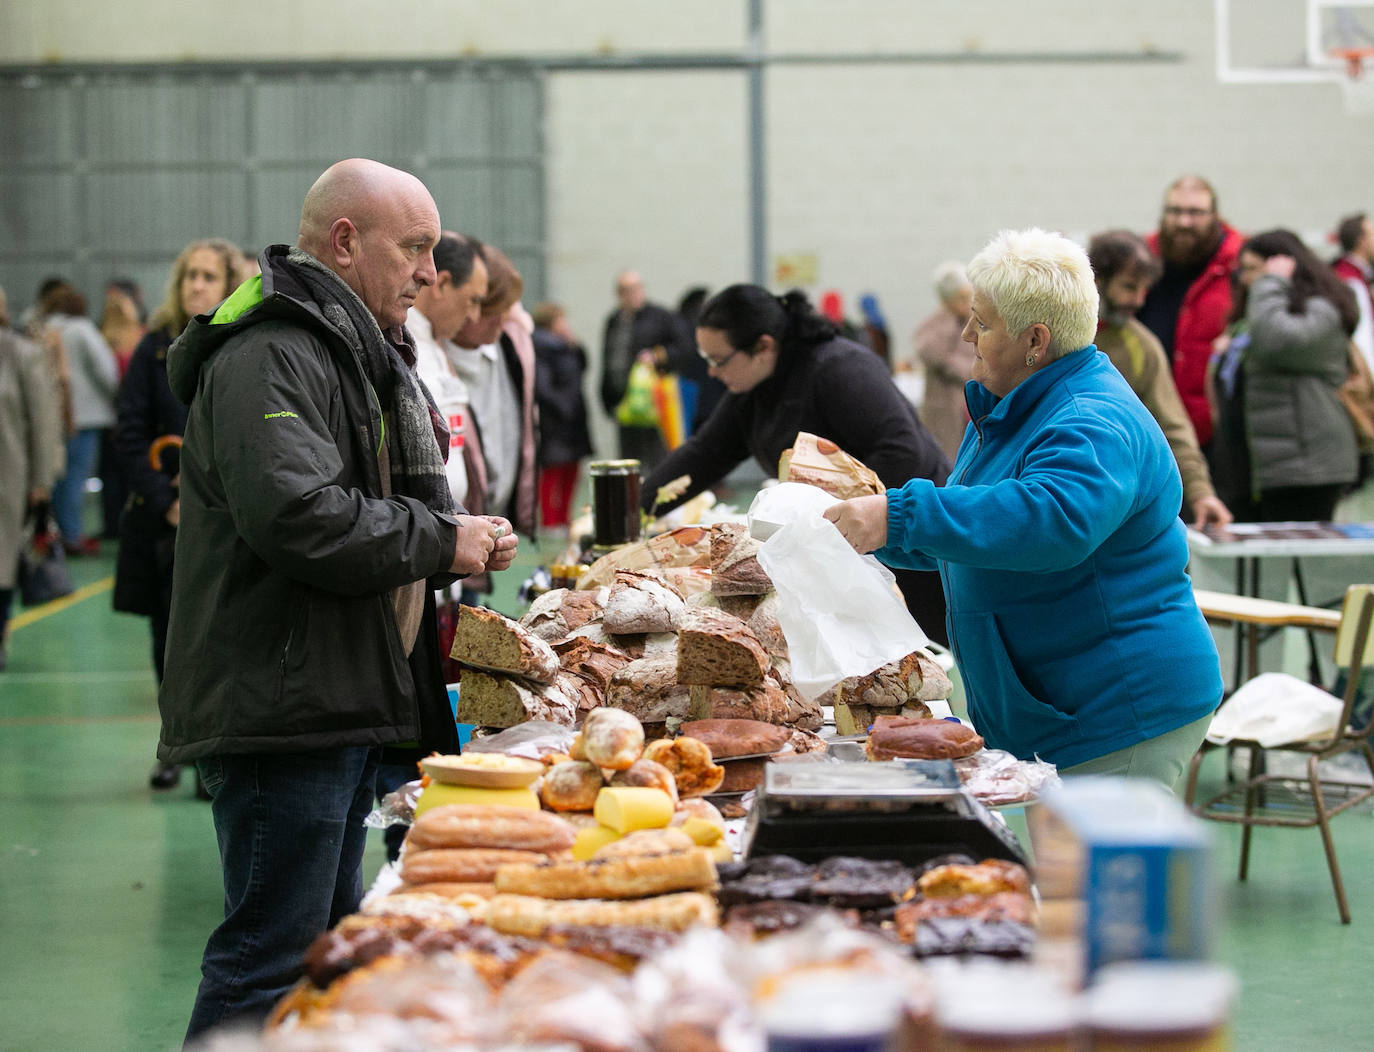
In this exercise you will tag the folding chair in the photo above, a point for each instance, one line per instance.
(1251, 803)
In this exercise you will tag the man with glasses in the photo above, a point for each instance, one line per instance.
(1188, 306)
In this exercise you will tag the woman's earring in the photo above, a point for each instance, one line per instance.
(1030, 360)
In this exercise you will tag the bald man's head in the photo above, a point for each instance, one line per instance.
(375, 227)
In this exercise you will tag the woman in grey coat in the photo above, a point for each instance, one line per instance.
(30, 453)
(1300, 316)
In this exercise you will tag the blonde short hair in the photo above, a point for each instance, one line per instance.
(1034, 276)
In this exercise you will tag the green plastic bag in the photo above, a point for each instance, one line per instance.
(637, 408)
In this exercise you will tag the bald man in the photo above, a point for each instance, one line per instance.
(315, 514)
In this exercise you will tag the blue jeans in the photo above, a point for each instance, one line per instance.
(70, 490)
(291, 838)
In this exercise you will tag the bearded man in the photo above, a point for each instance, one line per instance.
(1187, 308)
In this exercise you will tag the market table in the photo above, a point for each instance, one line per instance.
(1249, 542)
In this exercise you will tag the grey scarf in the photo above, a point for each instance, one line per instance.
(416, 435)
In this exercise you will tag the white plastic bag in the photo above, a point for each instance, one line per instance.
(837, 608)
(1275, 708)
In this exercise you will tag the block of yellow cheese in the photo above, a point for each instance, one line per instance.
(627, 808)
(703, 832)
(721, 852)
(591, 839)
(437, 793)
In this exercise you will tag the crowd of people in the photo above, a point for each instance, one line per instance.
(331, 448)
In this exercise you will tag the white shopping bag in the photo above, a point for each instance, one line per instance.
(1275, 708)
(837, 608)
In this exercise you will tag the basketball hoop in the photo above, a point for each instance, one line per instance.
(1357, 89)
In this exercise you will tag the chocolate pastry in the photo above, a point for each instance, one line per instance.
(763, 878)
(962, 936)
(773, 915)
(862, 883)
(1001, 906)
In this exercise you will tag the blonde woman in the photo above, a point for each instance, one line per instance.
(149, 424)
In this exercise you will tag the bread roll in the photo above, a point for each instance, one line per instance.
(742, 775)
(648, 774)
(570, 786)
(612, 738)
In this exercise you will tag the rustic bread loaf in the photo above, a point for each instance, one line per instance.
(742, 775)
(586, 694)
(735, 568)
(487, 640)
(763, 622)
(491, 700)
(642, 601)
(907, 737)
(718, 650)
(648, 689)
(594, 662)
(915, 677)
(561, 611)
(727, 738)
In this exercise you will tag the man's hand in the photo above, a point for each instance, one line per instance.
(1210, 511)
(861, 521)
(173, 514)
(476, 542)
(37, 496)
(507, 543)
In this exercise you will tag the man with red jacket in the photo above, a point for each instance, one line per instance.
(1188, 307)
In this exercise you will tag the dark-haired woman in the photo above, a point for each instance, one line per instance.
(786, 370)
(1300, 317)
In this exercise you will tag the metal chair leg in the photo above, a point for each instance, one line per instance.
(1323, 822)
(1251, 791)
(1194, 765)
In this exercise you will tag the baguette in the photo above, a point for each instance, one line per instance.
(531, 916)
(461, 865)
(616, 877)
(490, 825)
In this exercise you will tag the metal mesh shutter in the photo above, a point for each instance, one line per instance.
(110, 173)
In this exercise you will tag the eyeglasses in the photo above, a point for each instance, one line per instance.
(712, 363)
(1178, 212)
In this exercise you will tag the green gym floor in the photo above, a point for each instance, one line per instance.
(108, 889)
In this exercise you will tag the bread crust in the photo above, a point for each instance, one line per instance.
(531, 916)
(490, 825)
(921, 739)
(570, 786)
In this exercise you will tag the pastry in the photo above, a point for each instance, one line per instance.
(727, 738)
(920, 739)
(460, 865)
(612, 738)
(570, 786)
(691, 764)
(531, 916)
(648, 773)
(478, 825)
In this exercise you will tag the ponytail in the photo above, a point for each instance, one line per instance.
(746, 312)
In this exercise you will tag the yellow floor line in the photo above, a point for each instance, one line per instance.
(28, 617)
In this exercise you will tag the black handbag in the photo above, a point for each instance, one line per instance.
(43, 573)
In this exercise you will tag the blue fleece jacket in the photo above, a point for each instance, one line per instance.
(1071, 616)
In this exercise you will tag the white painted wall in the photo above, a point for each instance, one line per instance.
(881, 171)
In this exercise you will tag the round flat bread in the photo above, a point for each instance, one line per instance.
(483, 769)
